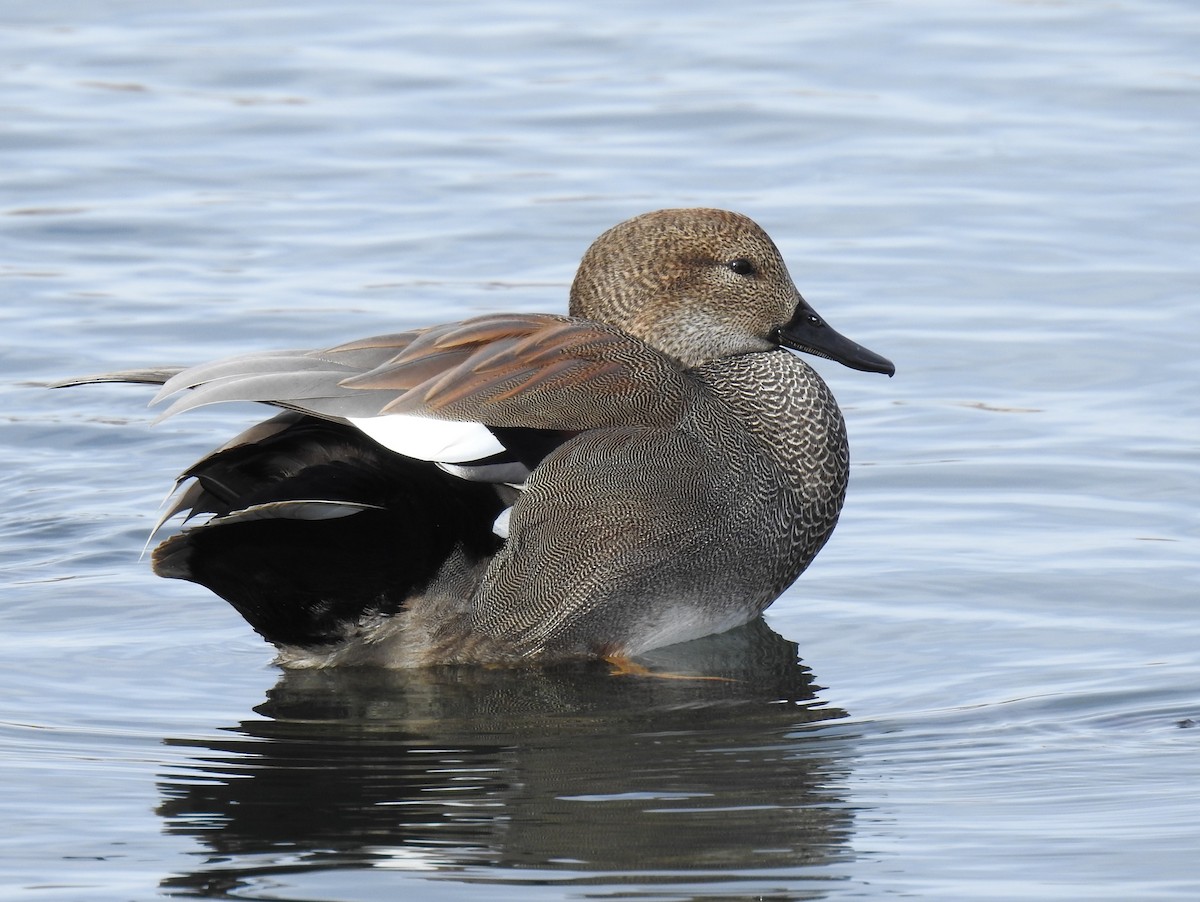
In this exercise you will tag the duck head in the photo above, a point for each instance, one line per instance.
(700, 284)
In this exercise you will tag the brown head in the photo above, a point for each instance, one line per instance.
(697, 284)
(700, 284)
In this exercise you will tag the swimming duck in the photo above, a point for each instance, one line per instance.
(530, 488)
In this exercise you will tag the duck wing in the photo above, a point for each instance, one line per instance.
(536, 371)
(531, 372)
(503, 388)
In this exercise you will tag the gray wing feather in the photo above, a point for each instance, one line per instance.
(504, 370)
(243, 364)
(148, 376)
(334, 365)
(311, 509)
(308, 382)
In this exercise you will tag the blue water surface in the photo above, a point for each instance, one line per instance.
(986, 687)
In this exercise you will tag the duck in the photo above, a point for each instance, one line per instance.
(527, 489)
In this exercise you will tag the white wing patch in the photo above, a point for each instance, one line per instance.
(424, 438)
(500, 526)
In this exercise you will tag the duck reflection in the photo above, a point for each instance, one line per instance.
(573, 768)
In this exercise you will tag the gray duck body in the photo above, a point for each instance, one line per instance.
(633, 538)
(681, 469)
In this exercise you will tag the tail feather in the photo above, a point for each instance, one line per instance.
(151, 376)
(305, 580)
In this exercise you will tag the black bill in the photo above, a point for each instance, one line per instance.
(807, 332)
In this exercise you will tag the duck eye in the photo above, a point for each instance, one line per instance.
(742, 267)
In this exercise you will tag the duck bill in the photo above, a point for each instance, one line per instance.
(807, 332)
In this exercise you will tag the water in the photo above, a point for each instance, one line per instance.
(998, 686)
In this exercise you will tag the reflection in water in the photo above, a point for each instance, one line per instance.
(452, 769)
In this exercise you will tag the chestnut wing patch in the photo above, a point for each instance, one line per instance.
(534, 371)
